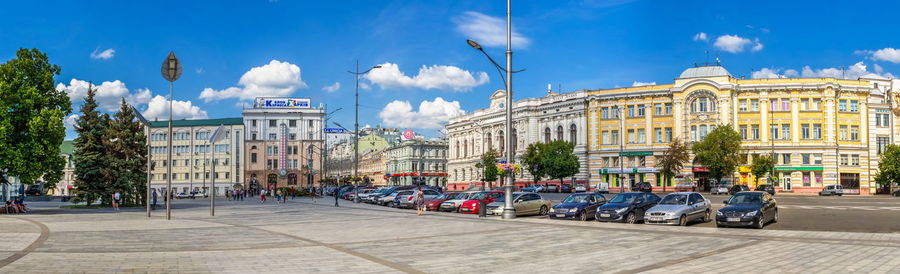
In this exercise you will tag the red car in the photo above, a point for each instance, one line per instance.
(471, 206)
(435, 204)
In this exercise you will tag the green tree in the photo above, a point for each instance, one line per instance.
(673, 159)
(889, 167)
(127, 150)
(489, 165)
(31, 123)
(559, 161)
(762, 165)
(90, 157)
(718, 152)
(532, 161)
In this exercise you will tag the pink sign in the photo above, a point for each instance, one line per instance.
(407, 134)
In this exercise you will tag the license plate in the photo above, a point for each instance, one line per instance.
(657, 219)
(604, 215)
(560, 215)
(733, 219)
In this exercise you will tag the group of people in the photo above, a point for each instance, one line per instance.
(15, 206)
(236, 194)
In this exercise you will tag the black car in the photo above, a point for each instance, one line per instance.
(737, 188)
(748, 208)
(767, 188)
(565, 188)
(643, 187)
(626, 207)
(578, 206)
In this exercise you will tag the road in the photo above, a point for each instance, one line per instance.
(815, 213)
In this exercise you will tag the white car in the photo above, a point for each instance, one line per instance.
(453, 204)
(182, 195)
(580, 188)
(602, 188)
(720, 189)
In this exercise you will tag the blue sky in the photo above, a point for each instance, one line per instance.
(238, 49)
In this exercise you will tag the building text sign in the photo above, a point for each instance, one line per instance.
(282, 103)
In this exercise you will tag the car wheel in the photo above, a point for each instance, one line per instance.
(775, 218)
(543, 211)
(760, 223)
(706, 216)
(682, 221)
(631, 218)
(583, 217)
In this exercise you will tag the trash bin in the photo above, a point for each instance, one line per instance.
(482, 209)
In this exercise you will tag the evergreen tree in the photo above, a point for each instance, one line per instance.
(31, 123)
(559, 161)
(128, 152)
(90, 156)
(533, 159)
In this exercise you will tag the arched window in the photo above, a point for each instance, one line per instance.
(573, 134)
(515, 140)
(456, 152)
(502, 142)
(465, 148)
(489, 140)
(546, 135)
(559, 133)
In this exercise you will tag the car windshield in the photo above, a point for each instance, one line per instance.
(625, 198)
(445, 196)
(674, 199)
(479, 195)
(577, 199)
(745, 199)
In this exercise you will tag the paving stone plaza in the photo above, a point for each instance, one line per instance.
(302, 237)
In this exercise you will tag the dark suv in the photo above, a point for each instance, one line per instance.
(643, 187)
(767, 188)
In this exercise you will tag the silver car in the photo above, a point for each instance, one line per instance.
(409, 201)
(679, 208)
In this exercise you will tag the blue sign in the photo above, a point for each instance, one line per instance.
(334, 130)
(282, 103)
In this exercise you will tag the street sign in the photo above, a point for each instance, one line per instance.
(334, 130)
(171, 68)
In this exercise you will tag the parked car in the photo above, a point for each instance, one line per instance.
(524, 203)
(471, 205)
(533, 188)
(767, 188)
(565, 188)
(679, 208)
(601, 188)
(435, 204)
(720, 189)
(626, 207)
(455, 202)
(748, 208)
(578, 206)
(409, 201)
(643, 187)
(551, 188)
(182, 195)
(401, 193)
(830, 190)
(580, 188)
(387, 199)
(738, 188)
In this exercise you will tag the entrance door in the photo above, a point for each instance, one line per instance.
(787, 183)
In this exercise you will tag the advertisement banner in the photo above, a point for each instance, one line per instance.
(282, 103)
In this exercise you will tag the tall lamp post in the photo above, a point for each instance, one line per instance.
(146, 124)
(356, 127)
(509, 212)
(171, 71)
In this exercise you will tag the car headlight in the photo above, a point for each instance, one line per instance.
(719, 213)
(552, 210)
(621, 210)
(573, 210)
(751, 213)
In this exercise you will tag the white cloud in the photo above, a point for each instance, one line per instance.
(886, 54)
(433, 77)
(852, 72)
(158, 108)
(768, 73)
(487, 30)
(431, 114)
(364, 86)
(641, 84)
(333, 87)
(700, 37)
(273, 79)
(199, 70)
(70, 121)
(731, 43)
(757, 45)
(109, 94)
(103, 55)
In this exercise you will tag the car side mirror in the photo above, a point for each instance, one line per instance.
(725, 202)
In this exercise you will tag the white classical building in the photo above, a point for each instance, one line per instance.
(545, 119)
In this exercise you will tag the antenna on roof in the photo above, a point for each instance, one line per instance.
(718, 63)
(549, 88)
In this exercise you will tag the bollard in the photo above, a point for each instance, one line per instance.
(482, 209)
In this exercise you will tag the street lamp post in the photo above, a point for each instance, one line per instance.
(356, 128)
(171, 71)
(509, 211)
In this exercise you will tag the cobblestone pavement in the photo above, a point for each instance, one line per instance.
(302, 237)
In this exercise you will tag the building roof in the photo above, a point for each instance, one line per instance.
(200, 122)
(67, 147)
(704, 71)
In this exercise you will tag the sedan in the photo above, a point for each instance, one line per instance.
(565, 188)
(679, 208)
(532, 188)
(578, 206)
(524, 203)
(455, 202)
(748, 208)
(551, 188)
(487, 197)
(626, 207)
(580, 188)
(767, 188)
(435, 204)
(719, 189)
(643, 187)
(409, 201)
(737, 188)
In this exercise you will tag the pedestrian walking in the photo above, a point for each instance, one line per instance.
(293, 193)
(279, 196)
(243, 192)
(153, 196)
(262, 196)
(115, 203)
(336, 192)
(420, 201)
(313, 194)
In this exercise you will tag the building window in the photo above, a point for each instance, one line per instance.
(605, 137)
(615, 112)
(754, 104)
(658, 133)
(604, 113)
(817, 158)
(253, 157)
(785, 132)
(640, 110)
(702, 132)
(842, 105)
(272, 136)
(854, 106)
(669, 134)
(881, 142)
(882, 119)
(253, 136)
(843, 133)
(694, 133)
(657, 109)
(668, 108)
(845, 159)
(615, 137)
(631, 136)
(806, 158)
(854, 133)
(253, 123)
(817, 131)
(573, 134)
(273, 123)
(292, 123)
(292, 136)
(515, 140)
(754, 132)
(785, 104)
(641, 136)
(559, 133)
(774, 132)
(631, 111)
(742, 105)
(786, 158)
(547, 135)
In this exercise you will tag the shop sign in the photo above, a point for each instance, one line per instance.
(699, 169)
(799, 168)
(282, 103)
(636, 153)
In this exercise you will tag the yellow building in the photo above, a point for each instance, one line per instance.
(818, 129)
